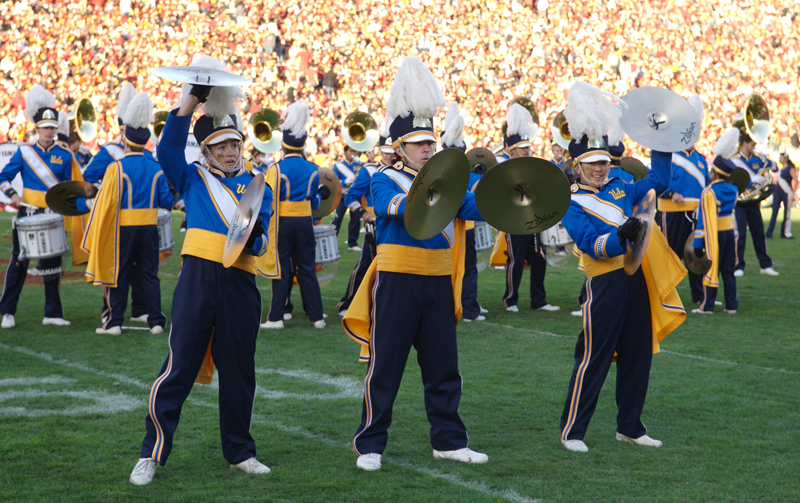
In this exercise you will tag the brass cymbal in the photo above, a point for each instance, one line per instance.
(243, 221)
(660, 119)
(740, 178)
(59, 193)
(481, 156)
(694, 263)
(436, 194)
(633, 166)
(328, 178)
(646, 212)
(523, 196)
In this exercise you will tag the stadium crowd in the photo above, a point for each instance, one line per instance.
(341, 55)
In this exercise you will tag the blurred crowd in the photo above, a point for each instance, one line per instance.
(341, 55)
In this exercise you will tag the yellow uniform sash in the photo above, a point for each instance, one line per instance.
(268, 265)
(101, 239)
(711, 228)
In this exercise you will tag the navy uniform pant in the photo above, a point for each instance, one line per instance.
(353, 228)
(522, 249)
(368, 253)
(412, 310)
(209, 300)
(677, 226)
(749, 215)
(296, 247)
(779, 197)
(616, 317)
(727, 266)
(18, 270)
(137, 244)
(469, 287)
(138, 300)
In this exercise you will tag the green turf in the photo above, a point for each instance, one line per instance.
(723, 398)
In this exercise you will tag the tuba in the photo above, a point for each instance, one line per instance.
(83, 120)
(559, 130)
(159, 119)
(754, 121)
(262, 129)
(360, 131)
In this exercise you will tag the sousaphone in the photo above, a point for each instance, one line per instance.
(559, 130)
(262, 129)
(754, 120)
(83, 120)
(360, 131)
(159, 119)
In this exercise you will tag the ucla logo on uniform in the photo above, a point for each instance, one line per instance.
(240, 188)
(54, 159)
(617, 193)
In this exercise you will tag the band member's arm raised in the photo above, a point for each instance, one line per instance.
(171, 150)
(659, 178)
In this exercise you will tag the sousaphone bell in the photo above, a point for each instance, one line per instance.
(754, 120)
(83, 120)
(360, 131)
(159, 119)
(559, 130)
(262, 129)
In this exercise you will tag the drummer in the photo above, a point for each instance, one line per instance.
(127, 210)
(359, 200)
(43, 164)
(347, 169)
(299, 192)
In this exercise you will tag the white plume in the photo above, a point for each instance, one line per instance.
(221, 101)
(697, 103)
(615, 136)
(125, 97)
(518, 121)
(590, 112)
(295, 119)
(387, 123)
(63, 123)
(453, 126)
(728, 144)
(36, 99)
(414, 91)
(139, 112)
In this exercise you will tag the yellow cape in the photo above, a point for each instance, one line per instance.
(101, 239)
(708, 205)
(77, 224)
(663, 271)
(269, 265)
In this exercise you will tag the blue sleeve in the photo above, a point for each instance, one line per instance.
(586, 237)
(659, 178)
(97, 166)
(260, 244)
(84, 205)
(468, 209)
(10, 171)
(699, 232)
(171, 151)
(388, 199)
(313, 192)
(360, 188)
(164, 195)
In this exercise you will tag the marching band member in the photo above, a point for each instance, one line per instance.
(615, 150)
(676, 206)
(617, 315)
(558, 155)
(359, 200)
(523, 248)
(784, 194)
(299, 193)
(715, 236)
(748, 213)
(410, 295)
(123, 226)
(215, 310)
(347, 169)
(43, 164)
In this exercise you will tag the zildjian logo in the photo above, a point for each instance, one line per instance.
(539, 220)
(687, 135)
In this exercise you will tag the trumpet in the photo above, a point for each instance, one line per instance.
(159, 119)
(83, 120)
(559, 130)
(262, 129)
(360, 131)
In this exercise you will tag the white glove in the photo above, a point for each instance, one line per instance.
(757, 179)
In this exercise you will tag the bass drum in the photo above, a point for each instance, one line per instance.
(42, 236)
(165, 241)
(555, 241)
(484, 242)
(327, 253)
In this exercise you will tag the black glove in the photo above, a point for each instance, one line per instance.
(629, 230)
(200, 92)
(699, 252)
(324, 192)
(71, 201)
(258, 230)
(358, 212)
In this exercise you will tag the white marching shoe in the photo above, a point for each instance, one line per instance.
(8, 321)
(342, 313)
(158, 329)
(484, 311)
(61, 322)
(319, 324)
(141, 319)
(272, 324)
(643, 440)
(480, 317)
(287, 316)
(109, 331)
(465, 455)
(769, 271)
(512, 309)
(143, 472)
(738, 273)
(548, 307)
(577, 313)
(252, 466)
(574, 445)
(700, 311)
(369, 462)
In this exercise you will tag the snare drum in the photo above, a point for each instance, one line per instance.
(483, 237)
(165, 241)
(42, 236)
(327, 248)
(555, 236)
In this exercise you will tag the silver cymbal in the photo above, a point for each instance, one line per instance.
(660, 119)
(243, 221)
(201, 76)
(645, 212)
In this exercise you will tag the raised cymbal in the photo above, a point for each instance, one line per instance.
(60, 193)
(481, 156)
(201, 76)
(660, 119)
(328, 178)
(243, 221)
(523, 196)
(694, 263)
(740, 178)
(436, 194)
(646, 212)
(633, 166)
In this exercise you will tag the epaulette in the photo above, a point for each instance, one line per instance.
(398, 166)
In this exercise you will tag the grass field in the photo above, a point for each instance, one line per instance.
(723, 398)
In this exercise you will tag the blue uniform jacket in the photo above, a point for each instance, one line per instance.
(617, 172)
(752, 164)
(361, 187)
(689, 178)
(347, 171)
(725, 193)
(46, 168)
(109, 153)
(299, 180)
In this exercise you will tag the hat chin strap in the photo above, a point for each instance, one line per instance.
(225, 169)
(593, 184)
